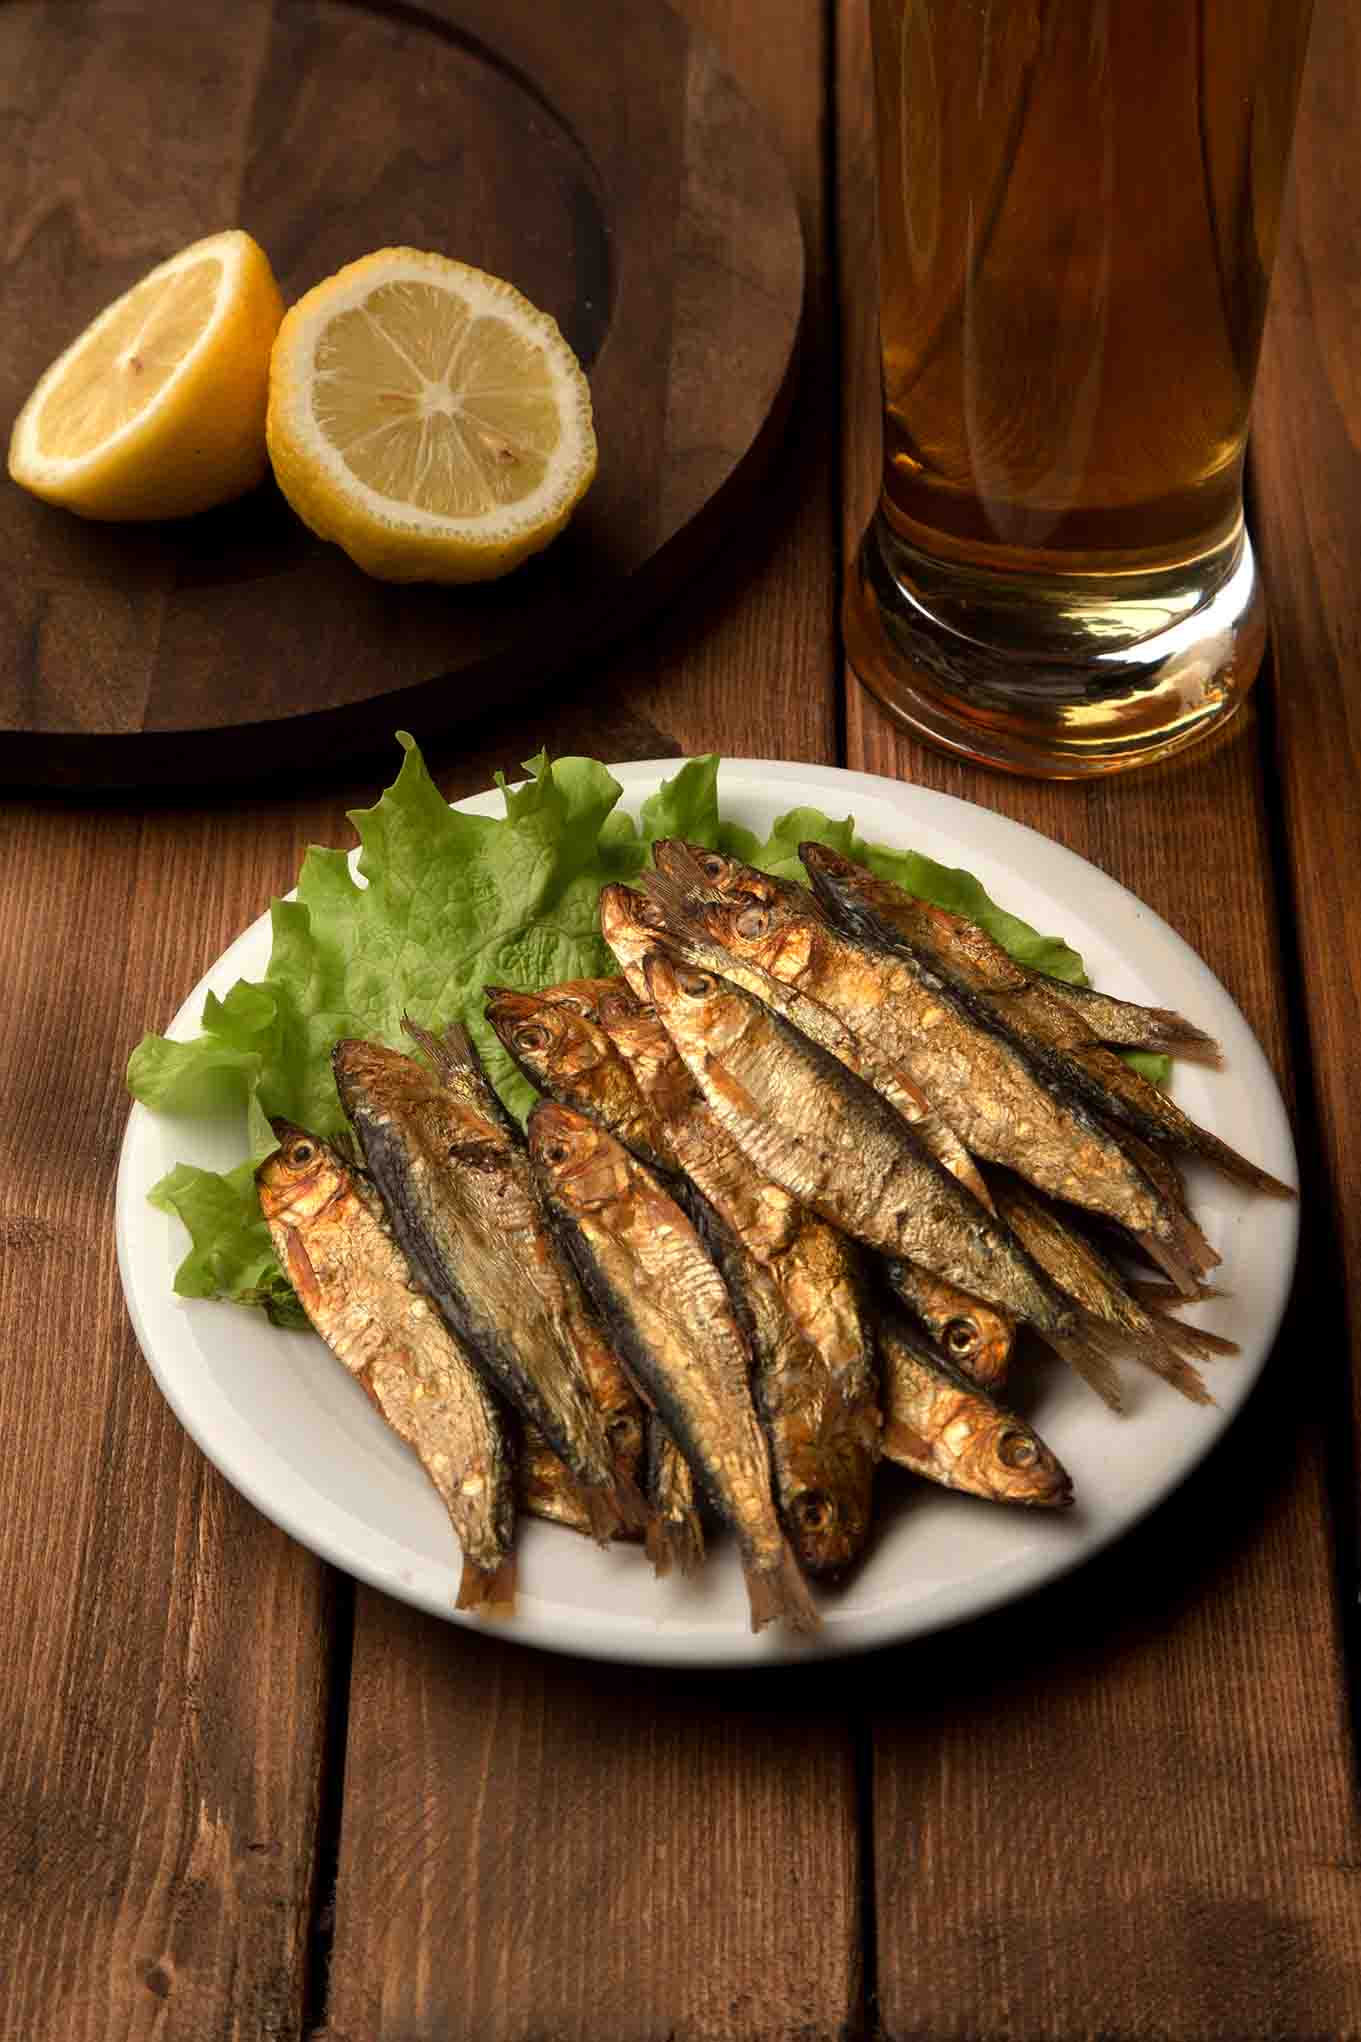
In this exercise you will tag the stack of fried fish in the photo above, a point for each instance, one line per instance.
(799, 1177)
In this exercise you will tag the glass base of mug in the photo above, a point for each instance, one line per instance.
(1059, 678)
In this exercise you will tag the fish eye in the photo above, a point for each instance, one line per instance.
(1017, 1450)
(753, 921)
(694, 984)
(556, 1152)
(713, 867)
(962, 1339)
(532, 1036)
(813, 1511)
(300, 1153)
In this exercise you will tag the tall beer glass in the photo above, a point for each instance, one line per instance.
(1078, 213)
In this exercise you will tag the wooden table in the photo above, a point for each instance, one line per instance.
(241, 1796)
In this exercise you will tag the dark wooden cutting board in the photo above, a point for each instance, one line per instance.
(595, 153)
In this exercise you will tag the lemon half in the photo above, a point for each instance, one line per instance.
(158, 409)
(428, 419)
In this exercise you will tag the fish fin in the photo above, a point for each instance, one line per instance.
(673, 899)
(301, 1274)
(601, 1512)
(1086, 1352)
(1230, 1164)
(1176, 1370)
(1186, 1258)
(1152, 1352)
(780, 1591)
(906, 1446)
(675, 1542)
(1180, 1037)
(1191, 1339)
(488, 1590)
(632, 1508)
(1150, 1291)
(428, 1043)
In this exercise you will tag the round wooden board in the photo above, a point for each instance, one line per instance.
(597, 155)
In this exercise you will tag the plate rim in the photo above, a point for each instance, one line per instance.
(601, 1636)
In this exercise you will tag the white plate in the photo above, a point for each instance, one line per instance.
(296, 1436)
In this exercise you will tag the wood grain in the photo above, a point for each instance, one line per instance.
(536, 1849)
(638, 202)
(163, 1706)
(1306, 472)
(1126, 1807)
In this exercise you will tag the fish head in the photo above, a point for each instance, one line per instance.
(710, 875)
(979, 1343)
(697, 1008)
(887, 913)
(301, 1176)
(585, 1166)
(841, 886)
(779, 935)
(382, 1089)
(1009, 1460)
(631, 924)
(369, 1074)
(829, 1500)
(582, 995)
(656, 1064)
(618, 1005)
(551, 1041)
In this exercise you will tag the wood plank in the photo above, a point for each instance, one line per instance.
(162, 1722)
(1306, 472)
(1125, 1807)
(532, 1847)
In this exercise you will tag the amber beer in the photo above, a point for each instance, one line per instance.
(1078, 212)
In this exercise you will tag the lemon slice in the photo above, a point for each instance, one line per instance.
(428, 419)
(158, 409)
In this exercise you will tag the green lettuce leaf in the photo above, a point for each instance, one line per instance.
(450, 903)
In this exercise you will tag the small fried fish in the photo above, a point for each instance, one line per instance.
(357, 1288)
(797, 1289)
(670, 1316)
(464, 1203)
(975, 1336)
(566, 1055)
(941, 1425)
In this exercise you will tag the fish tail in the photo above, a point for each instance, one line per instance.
(632, 1509)
(1190, 1339)
(675, 1542)
(1160, 1356)
(1086, 1351)
(1228, 1161)
(601, 1512)
(490, 1591)
(1186, 1257)
(1150, 1292)
(780, 1592)
(1181, 1037)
